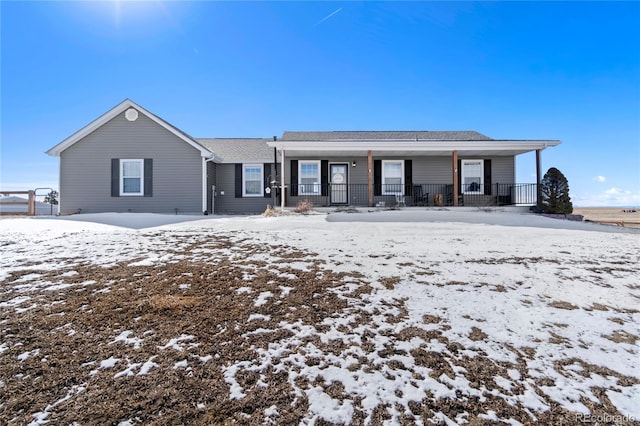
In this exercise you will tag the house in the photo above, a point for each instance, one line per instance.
(130, 160)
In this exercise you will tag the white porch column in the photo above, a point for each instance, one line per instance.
(283, 190)
(454, 166)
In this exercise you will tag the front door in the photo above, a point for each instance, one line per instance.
(338, 183)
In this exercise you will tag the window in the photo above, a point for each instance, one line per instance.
(131, 173)
(393, 177)
(252, 176)
(309, 177)
(472, 176)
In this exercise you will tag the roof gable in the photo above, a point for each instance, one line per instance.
(114, 112)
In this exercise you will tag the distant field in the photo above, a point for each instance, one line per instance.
(611, 215)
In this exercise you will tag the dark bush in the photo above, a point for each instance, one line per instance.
(554, 189)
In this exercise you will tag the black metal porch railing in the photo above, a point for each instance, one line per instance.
(425, 194)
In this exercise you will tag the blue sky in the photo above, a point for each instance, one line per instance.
(510, 70)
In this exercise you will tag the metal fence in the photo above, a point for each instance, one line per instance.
(425, 194)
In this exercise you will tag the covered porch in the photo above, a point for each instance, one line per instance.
(377, 171)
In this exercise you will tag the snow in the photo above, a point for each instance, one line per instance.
(109, 363)
(258, 317)
(262, 298)
(175, 343)
(627, 403)
(129, 371)
(181, 364)
(147, 366)
(496, 290)
(25, 355)
(328, 408)
(124, 338)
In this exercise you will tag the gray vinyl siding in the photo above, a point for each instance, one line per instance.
(85, 172)
(503, 170)
(226, 201)
(432, 170)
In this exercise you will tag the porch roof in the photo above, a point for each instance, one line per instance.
(310, 144)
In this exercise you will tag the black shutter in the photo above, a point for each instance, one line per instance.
(408, 177)
(115, 177)
(148, 177)
(266, 167)
(238, 180)
(377, 177)
(324, 177)
(459, 177)
(294, 178)
(487, 177)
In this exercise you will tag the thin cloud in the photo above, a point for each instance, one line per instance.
(600, 179)
(612, 197)
(328, 16)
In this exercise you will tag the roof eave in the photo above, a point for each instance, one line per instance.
(239, 160)
(412, 145)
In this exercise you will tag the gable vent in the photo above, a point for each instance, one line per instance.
(131, 114)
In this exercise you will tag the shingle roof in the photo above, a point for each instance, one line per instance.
(238, 149)
(464, 135)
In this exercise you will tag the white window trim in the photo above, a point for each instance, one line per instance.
(384, 190)
(301, 187)
(244, 181)
(131, 194)
(464, 187)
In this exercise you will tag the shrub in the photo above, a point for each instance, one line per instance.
(270, 211)
(554, 190)
(304, 206)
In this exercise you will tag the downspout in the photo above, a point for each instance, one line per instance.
(283, 189)
(204, 183)
(59, 183)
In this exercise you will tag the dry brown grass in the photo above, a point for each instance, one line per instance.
(304, 206)
(562, 305)
(611, 215)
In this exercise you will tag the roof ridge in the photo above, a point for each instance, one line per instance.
(377, 131)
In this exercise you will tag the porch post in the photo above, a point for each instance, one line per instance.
(31, 208)
(370, 178)
(283, 190)
(454, 165)
(538, 179)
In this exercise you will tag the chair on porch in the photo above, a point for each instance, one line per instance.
(400, 201)
(419, 197)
